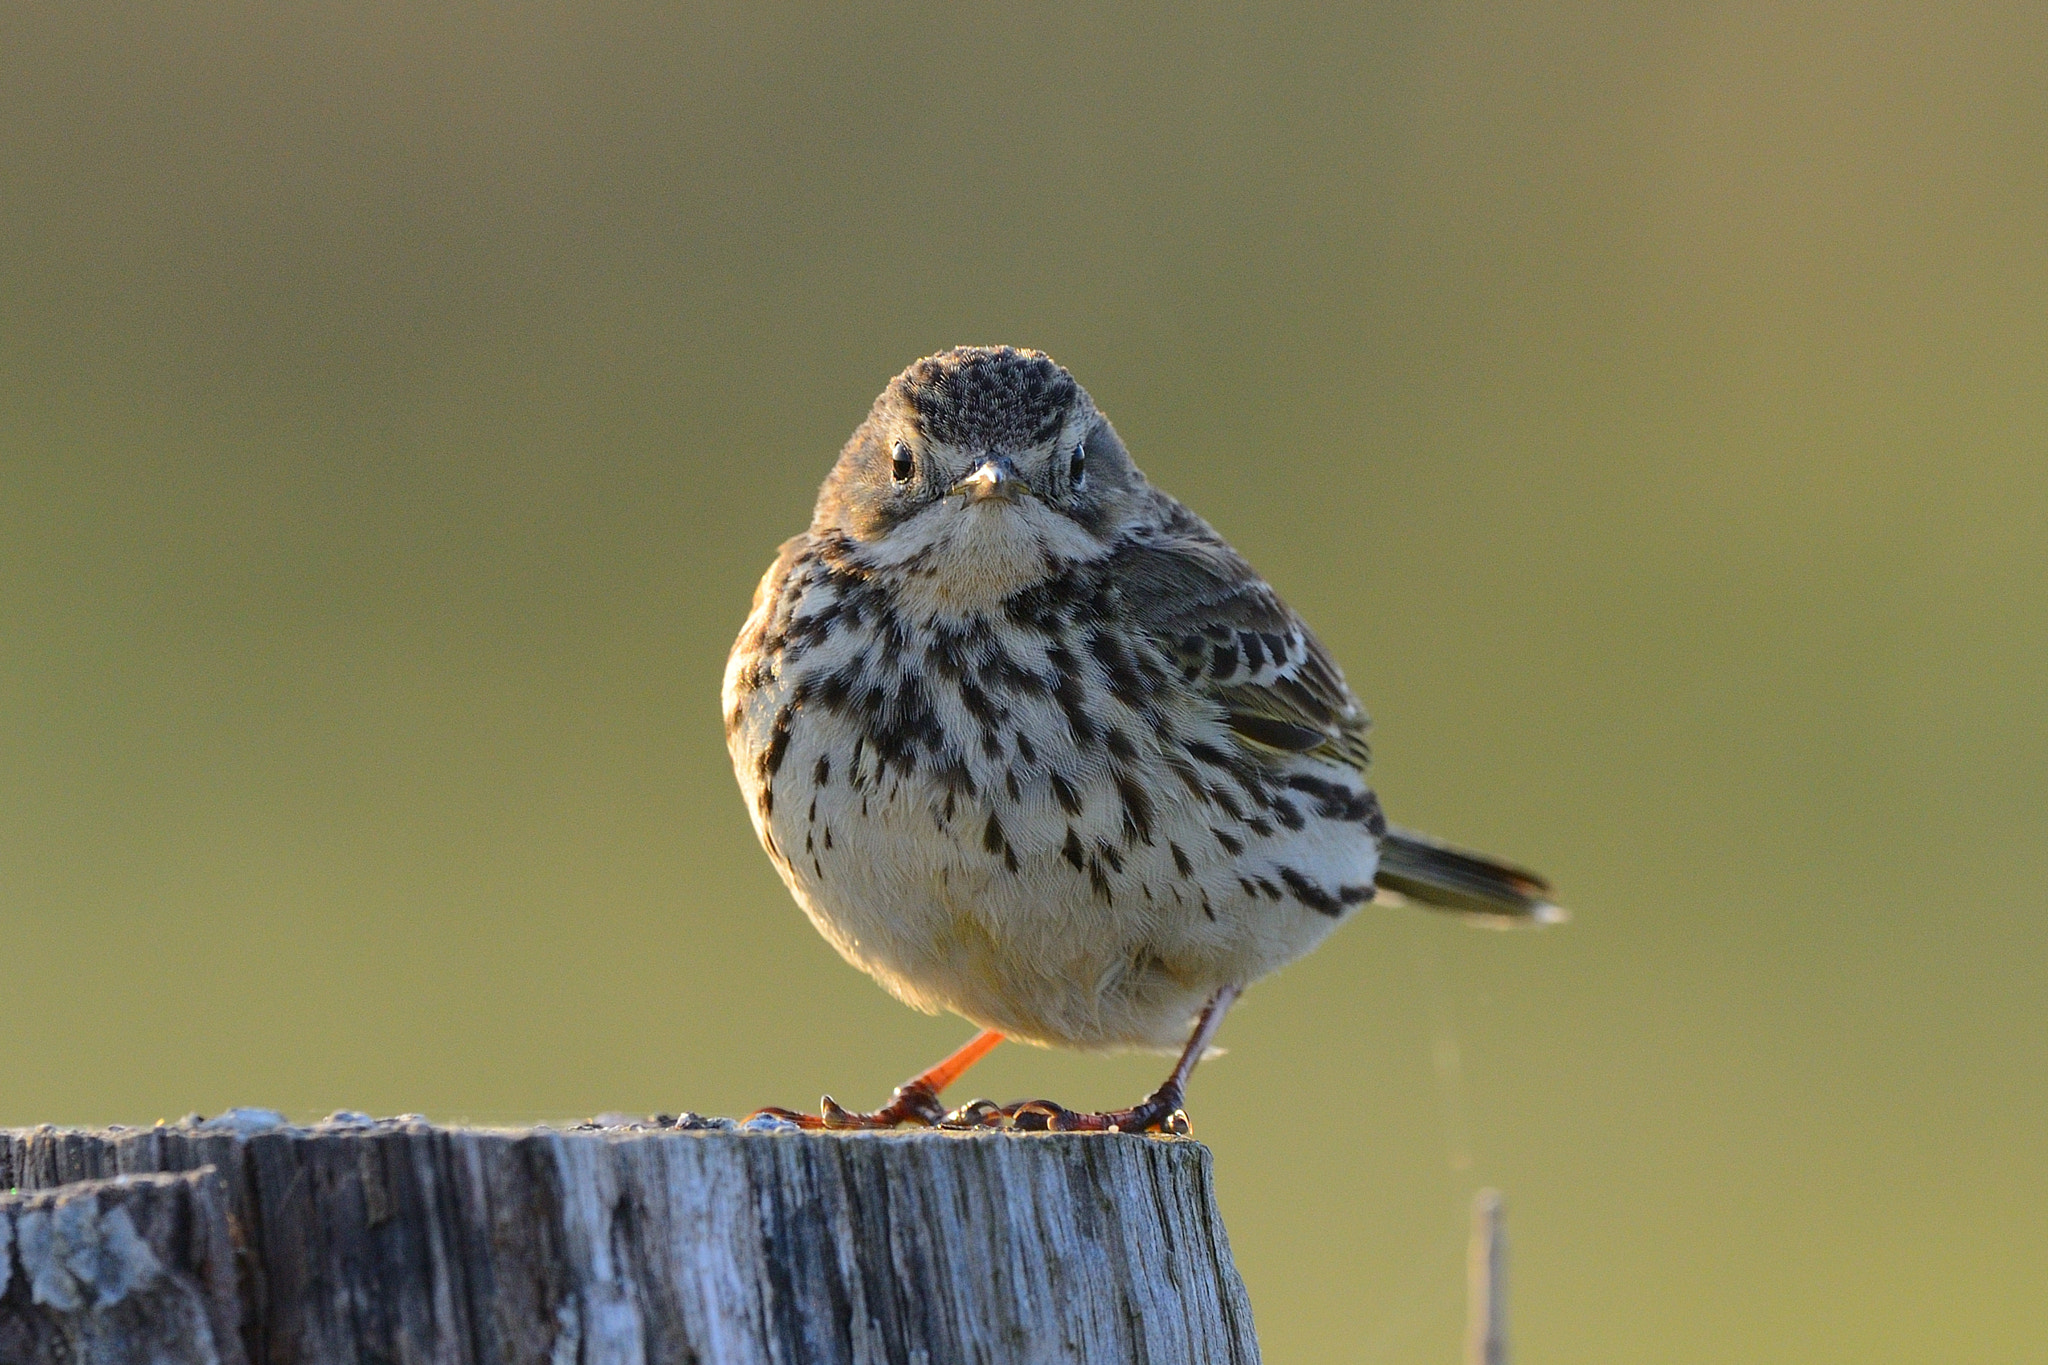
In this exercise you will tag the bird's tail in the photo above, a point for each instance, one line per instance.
(1415, 867)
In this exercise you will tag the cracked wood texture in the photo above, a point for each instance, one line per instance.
(107, 1272)
(401, 1242)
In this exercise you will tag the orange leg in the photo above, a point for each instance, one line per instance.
(915, 1101)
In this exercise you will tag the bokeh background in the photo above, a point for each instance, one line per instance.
(1648, 403)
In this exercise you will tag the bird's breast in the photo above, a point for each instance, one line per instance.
(1031, 822)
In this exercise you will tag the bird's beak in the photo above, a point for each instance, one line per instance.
(995, 477)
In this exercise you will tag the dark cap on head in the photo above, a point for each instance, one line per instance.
(988, 397)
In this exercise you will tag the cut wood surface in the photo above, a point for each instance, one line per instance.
(394, 1240)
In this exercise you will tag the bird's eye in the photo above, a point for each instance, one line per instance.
(1077, 465)
(900, 465)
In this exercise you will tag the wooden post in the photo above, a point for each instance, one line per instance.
(113, 1271)
(399, 1241)
(1486, 1271)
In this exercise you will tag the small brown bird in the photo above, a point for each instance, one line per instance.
(1031, 743)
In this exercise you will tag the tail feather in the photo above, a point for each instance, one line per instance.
(1418, 868)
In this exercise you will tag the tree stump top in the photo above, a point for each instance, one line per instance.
(398, 1240)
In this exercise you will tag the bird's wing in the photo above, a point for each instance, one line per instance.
(1237, 643)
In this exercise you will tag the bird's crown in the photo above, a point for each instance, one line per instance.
(988, 397)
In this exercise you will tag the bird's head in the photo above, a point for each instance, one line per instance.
(983, 467)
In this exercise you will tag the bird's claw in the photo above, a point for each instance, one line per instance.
(1158, 1113)
(914, 1104)
(974, 1114)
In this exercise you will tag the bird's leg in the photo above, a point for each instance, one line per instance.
(1160, 1110)
(915, 1101)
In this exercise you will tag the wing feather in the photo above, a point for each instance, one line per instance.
(1237, 643)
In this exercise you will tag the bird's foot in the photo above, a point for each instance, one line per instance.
(914, 1103)
(1159, 1112)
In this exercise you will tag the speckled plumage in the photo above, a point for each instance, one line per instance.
(1058, 761)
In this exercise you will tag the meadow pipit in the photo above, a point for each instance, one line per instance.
(1031, 743)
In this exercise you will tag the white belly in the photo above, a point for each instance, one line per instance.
(1031, 882)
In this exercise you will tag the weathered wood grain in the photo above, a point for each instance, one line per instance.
(110, 1272)
(398, 1241)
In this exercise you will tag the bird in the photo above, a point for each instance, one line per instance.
(1030, 742)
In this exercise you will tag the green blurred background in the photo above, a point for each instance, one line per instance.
(1648, 404)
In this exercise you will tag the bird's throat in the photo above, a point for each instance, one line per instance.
(968, 558)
